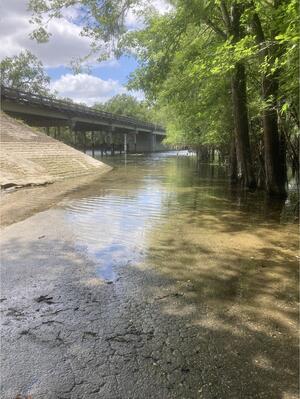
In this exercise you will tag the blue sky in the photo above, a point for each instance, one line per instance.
(120, 71)
(105, 80)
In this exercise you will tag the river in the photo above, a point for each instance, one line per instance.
(161, 281)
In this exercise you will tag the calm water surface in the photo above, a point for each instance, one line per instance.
(210, 258)
(168, 211)
(166, 283)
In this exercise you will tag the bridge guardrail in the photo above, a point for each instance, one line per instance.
(51, 102)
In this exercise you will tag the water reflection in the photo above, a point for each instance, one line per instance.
(116, 219)
(212, 271)
(227, 258)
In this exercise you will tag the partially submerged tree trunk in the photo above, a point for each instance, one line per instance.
(233, 167)
(275, 162)
(261, 175)
(240, 106)
(232, 22)
(239, 99)
(212, 154)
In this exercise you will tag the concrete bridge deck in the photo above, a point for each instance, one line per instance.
(46, 111)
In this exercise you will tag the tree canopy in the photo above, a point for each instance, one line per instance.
(124, 104)
(128, 105)
(224, 72)
(24, 72)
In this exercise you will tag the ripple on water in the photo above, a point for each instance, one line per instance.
(112, 227)
(113, 219)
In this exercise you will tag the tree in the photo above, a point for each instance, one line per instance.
(103, 20)
(249, 34)
(269, 51)
(193, 59)
(166, 38)
(24, 72)
(124, 104)
(197, 110)
(235, 30)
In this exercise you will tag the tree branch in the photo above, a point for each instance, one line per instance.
(216, 28)
(226, 15)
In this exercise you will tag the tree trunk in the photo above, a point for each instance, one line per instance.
(233, 172)
(239, 99)
(235, 31)
(261, 175)
(212, 155)
(275, 162)
(275, 165)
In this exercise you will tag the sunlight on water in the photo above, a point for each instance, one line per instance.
(147, 201)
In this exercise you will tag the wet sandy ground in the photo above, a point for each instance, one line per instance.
(153, 283)
(19, 204)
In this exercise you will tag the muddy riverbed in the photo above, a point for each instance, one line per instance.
(157, 280)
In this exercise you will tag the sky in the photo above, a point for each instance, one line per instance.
(104, 80)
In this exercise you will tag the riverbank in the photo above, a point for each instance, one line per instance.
(156, 281)
(29, 157)
(22, 203)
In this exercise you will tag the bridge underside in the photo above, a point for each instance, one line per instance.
(112, 136)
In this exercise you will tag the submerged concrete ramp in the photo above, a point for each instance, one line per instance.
(29, 157)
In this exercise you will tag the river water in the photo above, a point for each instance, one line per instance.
(166, 206)
(229, 256)
(160, 280)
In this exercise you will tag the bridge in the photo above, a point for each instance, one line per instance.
(115, 131)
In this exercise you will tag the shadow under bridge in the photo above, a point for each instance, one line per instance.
(109, 133)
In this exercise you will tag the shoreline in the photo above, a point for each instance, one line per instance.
(19, 204)
(127, 287)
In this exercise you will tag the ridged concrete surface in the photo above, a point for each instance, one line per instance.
(28, 156)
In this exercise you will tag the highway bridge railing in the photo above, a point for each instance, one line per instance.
(53, 103)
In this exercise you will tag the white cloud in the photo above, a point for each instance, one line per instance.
(65, 43)
(86, 88)
(134, 19)
(89, 89)
(162, 6)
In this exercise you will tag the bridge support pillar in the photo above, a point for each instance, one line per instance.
(112, 144)
(153, 142)
(135, 142)
(33, 111)
(125, 143)
(102, 144)
(93, 144)
(84, 142)
(74, 138)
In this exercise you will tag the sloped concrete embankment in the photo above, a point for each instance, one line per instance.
(29, 157)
